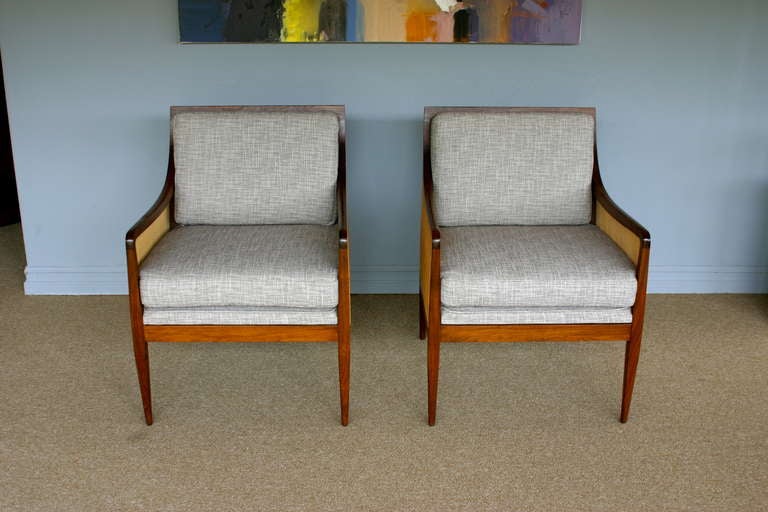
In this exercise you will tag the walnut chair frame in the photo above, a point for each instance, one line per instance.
(633, 239)
(160, 219)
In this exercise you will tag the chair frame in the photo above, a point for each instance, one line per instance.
(633, 239)
(160, 219)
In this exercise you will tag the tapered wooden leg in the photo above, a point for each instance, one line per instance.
(140, 348)
(433, 369)
(422, 318)
(631, 357)
(141, 354)
(433, 335)
(344, 360)
(632, 352)
(345, 320)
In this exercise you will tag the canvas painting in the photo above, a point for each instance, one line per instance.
(384, 21)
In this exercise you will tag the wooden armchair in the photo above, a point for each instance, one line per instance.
(248, 239)
(519, 239)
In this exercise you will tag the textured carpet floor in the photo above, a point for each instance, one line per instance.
(255, 427)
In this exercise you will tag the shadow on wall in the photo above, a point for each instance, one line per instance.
(9, 201)
(384, 187)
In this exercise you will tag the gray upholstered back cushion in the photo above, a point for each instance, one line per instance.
(241, 167)
(512, 168)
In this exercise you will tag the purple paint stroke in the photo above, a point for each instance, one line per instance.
(557, 23)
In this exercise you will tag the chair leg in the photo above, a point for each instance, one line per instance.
(631, 357)
(433, 368)
(422, 318)
(344, 364)
(141, 354)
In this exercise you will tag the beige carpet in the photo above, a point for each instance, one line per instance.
(255, 427)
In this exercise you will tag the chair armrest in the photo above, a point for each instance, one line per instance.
(429, 246)
(345, 306)
(625, 231)
(341, 206)
(151, 227)
(429, 267)
(432, 232)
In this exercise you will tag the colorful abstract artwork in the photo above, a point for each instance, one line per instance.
(384, 21)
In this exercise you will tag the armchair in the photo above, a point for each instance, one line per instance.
(248, 238)
(519, 239)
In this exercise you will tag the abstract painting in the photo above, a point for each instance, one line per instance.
(384, 21)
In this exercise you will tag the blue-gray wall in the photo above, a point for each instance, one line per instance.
(680, 89)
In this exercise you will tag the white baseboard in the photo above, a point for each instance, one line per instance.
(403, 279)
(698, 279)
(385, 279)
(76, 281)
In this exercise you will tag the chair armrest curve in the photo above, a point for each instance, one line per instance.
(429, 217)
(625, 231)
(155, 223)
(341, 206)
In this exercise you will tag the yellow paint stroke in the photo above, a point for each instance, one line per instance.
(300, 20)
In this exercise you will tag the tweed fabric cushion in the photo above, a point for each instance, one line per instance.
(534, 267)
(512, 168)
(490, 316)
(292, 266)
(237, 167)
(239, 316)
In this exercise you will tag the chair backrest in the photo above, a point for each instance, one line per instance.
(511, 166)
(256, 165)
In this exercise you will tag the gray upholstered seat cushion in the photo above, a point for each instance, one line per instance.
(293, 266)
(502, 168)
(534, 267)
(246, 167)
